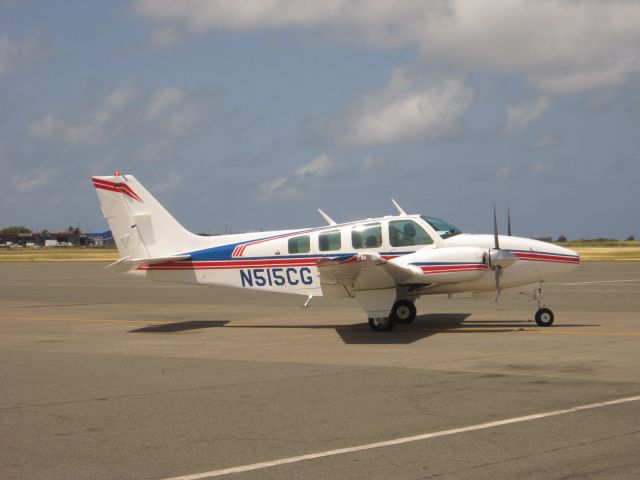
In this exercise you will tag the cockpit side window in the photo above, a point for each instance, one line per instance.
(443, 228)
(367, 236)
(404, 233)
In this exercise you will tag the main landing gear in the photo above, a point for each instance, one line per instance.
(382, 324)
(403, 311)
(544, 316)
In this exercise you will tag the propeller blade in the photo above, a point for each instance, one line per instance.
(495, 229)
(498, 286)
(509, 221)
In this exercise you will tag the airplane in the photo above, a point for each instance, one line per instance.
(385, 263)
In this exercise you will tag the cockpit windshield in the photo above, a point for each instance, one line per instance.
(442, 228)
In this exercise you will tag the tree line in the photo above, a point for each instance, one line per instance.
(16, 229)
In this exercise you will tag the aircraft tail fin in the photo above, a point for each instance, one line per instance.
(141, 227)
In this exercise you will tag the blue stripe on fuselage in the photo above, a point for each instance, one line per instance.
(224, 252)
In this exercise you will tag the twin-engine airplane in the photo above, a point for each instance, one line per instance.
(384, 263)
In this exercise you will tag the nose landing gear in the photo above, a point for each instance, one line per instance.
(544, 315)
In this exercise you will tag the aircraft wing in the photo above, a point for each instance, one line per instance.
(368, 271)
(127, 263)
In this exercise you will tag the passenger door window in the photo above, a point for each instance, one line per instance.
(328, 241)
(367, 236)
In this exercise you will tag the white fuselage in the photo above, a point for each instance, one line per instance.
(286, 261)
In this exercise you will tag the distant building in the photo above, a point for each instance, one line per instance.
(101, 239)
(57, 239)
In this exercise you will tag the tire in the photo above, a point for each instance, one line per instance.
(403, 311)
(544, 317)
(382, 324)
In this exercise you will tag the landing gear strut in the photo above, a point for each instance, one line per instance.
(403, 311)
(544, 316)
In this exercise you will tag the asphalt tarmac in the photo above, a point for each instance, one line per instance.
(104, 376)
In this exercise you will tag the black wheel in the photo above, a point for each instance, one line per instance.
(403, 311)
(382, 324)
(544, 317)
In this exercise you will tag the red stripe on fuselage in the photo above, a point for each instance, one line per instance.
(248, 263)
(546, 257)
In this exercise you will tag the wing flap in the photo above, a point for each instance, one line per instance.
(366, 271)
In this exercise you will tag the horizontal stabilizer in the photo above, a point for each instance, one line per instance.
(127, 263)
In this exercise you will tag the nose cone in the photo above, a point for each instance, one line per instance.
(573, 254)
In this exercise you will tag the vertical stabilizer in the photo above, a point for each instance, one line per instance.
(141, 227)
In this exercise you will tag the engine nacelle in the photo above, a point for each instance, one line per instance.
(447, 264)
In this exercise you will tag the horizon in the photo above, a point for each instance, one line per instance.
(252, 118)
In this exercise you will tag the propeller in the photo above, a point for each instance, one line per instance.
(499, 259)
(509, 221)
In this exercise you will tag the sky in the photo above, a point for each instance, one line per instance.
(252, 115)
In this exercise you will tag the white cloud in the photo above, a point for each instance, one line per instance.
(175, 112)
(361, 18)
(521, 114)
(559, 46)
(15, 54)
(292, 184)
(277, 185)
(163, 99)
(94, 127)
(183, 121)
(125, 115)
(32, 180)
(318, 167)
(406, 110)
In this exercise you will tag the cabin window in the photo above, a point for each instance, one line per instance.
(329, 241)
(403, 233)
(367, 236)
(300, 244)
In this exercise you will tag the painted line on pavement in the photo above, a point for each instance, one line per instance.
(398, 441)
(599, 281)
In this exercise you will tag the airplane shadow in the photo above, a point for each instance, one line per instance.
(360, 334)
(433, 323)
(180, 326)
(422, 327)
